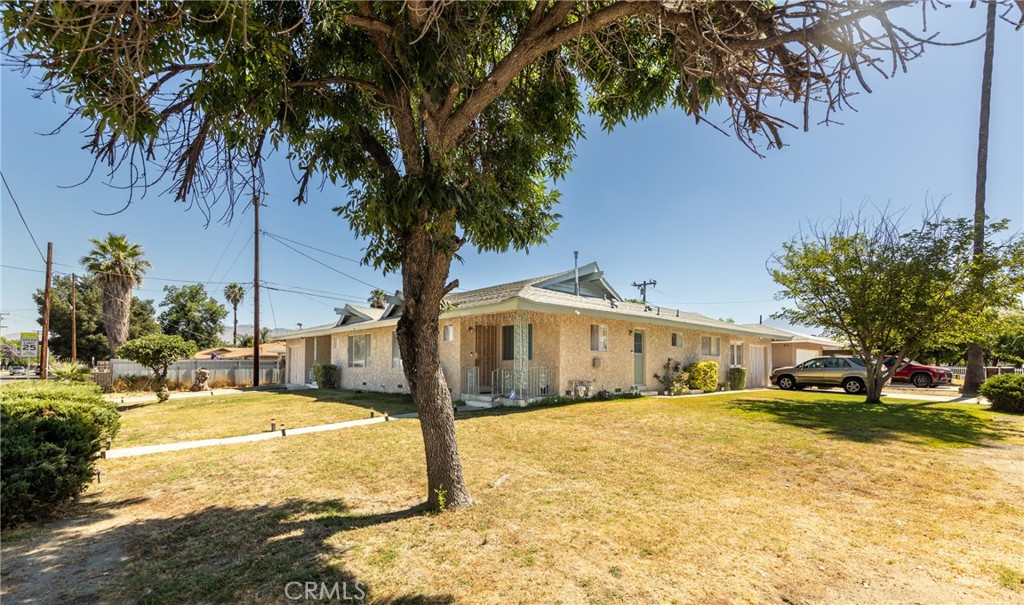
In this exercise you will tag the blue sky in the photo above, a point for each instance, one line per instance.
(661, 198)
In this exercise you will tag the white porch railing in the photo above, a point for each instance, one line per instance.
(534, 383)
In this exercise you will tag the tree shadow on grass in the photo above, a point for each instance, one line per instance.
(877, 422)
(215, 555)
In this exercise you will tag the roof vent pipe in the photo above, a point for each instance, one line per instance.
(576, 272)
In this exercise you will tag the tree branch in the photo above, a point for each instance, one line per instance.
(368, 23)
(320, 82)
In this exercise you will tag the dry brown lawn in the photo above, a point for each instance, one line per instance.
(192, 418)
(792, 498)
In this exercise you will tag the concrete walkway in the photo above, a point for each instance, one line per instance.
(142, 450)
(114, 397)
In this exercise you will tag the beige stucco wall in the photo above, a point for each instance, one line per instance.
(784, 353)
(378, 375)
(616, 365)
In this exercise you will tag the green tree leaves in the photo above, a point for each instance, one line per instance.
(192, 314)
(888, 291)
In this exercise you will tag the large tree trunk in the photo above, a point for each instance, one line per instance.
(117, 299)
(975, 371)
(873, 390)
(975, 356)
(424, 275)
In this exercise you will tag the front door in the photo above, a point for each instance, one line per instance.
(755, 371)
(297, 364)
(638, 358)
(486, 356)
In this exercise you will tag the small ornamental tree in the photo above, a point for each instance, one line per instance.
(892, 292)
(157, 352)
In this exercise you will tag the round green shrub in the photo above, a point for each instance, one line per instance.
(326, 375)
(1005, 392)
(50, 435)
(703, 375)
(737, 378)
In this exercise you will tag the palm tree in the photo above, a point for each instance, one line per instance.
(975, 374)
(378, 298)
(118, 266)
(234, 293)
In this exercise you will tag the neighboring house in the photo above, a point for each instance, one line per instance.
(536, 337)
(270, 350)
(790, 348)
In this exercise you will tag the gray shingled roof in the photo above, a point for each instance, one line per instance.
(525, 290)
(796, 336)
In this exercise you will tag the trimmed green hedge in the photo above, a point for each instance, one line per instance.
(737, 378)
(50, 434)
(1005, 391)
(326, 375)
(703, 375)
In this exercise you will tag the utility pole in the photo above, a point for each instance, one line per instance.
(44, 345)
(643, 288)
(74, 318)
(256, 292)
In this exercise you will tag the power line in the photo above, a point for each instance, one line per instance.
(228, 245)
(23, 221)
(237, 256)
(167, 279)
(320, 262)
(271, 301)
(351, 260)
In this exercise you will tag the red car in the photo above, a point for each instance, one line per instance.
(921, 375)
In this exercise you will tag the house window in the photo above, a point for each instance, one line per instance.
(508, 342)
(449, 333)
(598, 337)
(735, 354)
(359, 351)
(677, 339)
(711, 346)
(396, 352)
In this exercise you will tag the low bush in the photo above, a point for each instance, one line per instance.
(50, 434)
(737, 378)
(703, 376)
(1005, 392)
(674, 379)
(326, 375)
(69, 371)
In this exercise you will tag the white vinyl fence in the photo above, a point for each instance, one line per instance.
(231, 372)
(961, 371)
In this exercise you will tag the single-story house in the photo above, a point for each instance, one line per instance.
(565, 333)
(790, 348)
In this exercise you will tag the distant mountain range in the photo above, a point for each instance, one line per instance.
(246, 329)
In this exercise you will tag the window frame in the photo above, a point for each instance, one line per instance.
(735, 354)
(714, 348)
(448, 333)
(364, 362)
(396, 352)
(677, 340)
(508, 335)
(598, 338)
